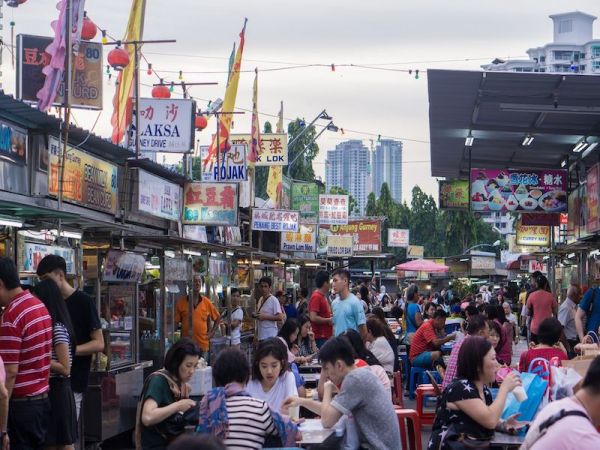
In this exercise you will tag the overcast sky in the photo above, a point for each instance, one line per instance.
(390, 34)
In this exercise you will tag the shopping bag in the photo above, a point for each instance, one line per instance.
(580, 364)
(535, 388)
(564, 380)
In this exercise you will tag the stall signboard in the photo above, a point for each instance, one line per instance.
(304, 241)
(166, 125)
(13, 144)
(533, 235)
(415, 252)
(578, 214)
(286, 192)
(232, 164)
(483, 262)
(32, 253)
(275, 220)
(593, 199)
(339, 246)
(158, 197)
(86, 84)
(333, 209)
(398, 237)
(176, 269)
(541, 191)
(273, 149)
(123, 267)
(87, 180)
(537, 266)
(195, 233)
(210, 204)
(366, 235)
(454, 194)
(305, 198)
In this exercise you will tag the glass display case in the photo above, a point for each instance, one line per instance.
(118, 309)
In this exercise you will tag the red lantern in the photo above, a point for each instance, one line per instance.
(118, 58)
(88, 29)
(161, 91)
(200, 123)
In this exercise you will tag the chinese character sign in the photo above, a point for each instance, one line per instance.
(398, 237)
(275, 220)
(366, 235)
(86, 90)
(166, 125)
(593, 197)
(158, 197)
(339, 246)
(273, 149)
(333, 209)
(210, 204)
(454, 194)
(231, 164)
(304, 241)
(305, 198)
(542, 191)
(533, 235)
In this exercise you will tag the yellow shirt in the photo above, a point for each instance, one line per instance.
(203, 310)
(522, 297)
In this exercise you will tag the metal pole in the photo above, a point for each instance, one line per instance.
(305, 148)
(218, 146)
(137, 99)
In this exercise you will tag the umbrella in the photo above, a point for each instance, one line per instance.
(422, 265)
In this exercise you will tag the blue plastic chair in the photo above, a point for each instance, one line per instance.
(452, 328)
(418, 375)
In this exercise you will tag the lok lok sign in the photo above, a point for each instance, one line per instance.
(166, 125)
(230, 167)
(273, 148)
(275, 220)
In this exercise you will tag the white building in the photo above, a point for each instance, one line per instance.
(503, 223)
(573, 50)
(387, 167)
(347, 167)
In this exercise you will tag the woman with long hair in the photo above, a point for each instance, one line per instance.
(290, 330)
(378, 344)
(389, 335)
(541, 304)
(504, 349)
(307, 345)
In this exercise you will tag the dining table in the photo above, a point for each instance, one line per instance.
(507, 441)
(313, 433)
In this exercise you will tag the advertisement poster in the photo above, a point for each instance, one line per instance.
(86, 91)
(232, 164)
(537, 266)
(13, 144)
(273, 148)
(593, 197)
(195, 233)
(398, 237)
(87, 180)
(210, 204)
(305, 198)
(541, 191)
(333, 209)
(454, 194)
(415, 252)
(166, 125)
(275, 220)
(533, 235)
(304, 241)
(123, 267)
(32, 253)
(339, 246)
(158, 197)
(366, 235)
(483, 262)
(176, 269)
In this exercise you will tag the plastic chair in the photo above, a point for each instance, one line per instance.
(398, 395)
(410, 426)
(424, 391)
(452, 327)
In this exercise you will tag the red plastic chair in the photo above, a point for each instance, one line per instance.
(425, 390)
(398, 394)
(410, 426)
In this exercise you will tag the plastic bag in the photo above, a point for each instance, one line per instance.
(535, 388)
(564, 380)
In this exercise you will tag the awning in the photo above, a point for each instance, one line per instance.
(24, 212)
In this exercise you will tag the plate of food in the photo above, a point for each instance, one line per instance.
(496, 202)
(512, 203)
(521, 193)
(529, 203)
(554, 201)
(479, 201)
(535, 193)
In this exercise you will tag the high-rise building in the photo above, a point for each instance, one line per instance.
(387, 167)
(573, 49)
(347, 167)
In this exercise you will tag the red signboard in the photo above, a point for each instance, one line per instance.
(367, 234)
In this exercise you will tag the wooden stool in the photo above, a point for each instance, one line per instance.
(410, 426)
(425, 390)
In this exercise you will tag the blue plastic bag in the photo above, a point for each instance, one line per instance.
(535, 388)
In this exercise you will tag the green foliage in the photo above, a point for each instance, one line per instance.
(352, 203)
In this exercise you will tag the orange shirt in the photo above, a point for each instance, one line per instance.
(202, 312)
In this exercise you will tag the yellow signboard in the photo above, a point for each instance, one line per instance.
(415, 251)
(533, 235)
(273, 148)
(87, 180)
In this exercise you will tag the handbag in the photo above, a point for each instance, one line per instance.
(455, 440)
(175, 425)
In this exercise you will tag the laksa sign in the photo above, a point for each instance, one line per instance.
(166, 125)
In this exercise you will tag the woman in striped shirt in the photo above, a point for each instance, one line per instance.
(62, 425)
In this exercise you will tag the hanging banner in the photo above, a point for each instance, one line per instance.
(366, 235)
(86, 84)
(305, 198)
(233, 164)
(158, 197)
(523, 191)
(593, 197)
(31, 253)
(333, 209)
(87, 180)
(454, 194)
(532, 235)
(398, 237)
(339, 246)
(415, 252)
(304, 241)
(273, 149)
(166, 125)
(275, 220)
(210, 204)
(123, 267)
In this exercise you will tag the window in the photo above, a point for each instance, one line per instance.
(565, 26)
(596, 65)
(596, 51)
(563, 55)
(503, 225)
(542, 59)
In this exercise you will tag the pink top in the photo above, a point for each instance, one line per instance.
(543, 304)
(2, 372)
(504, 352)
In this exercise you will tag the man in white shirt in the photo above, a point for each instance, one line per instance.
(237, 316)
(268, 311)
(566, 315)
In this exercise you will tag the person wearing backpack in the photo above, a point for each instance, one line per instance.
(571, 422)
(588, 312)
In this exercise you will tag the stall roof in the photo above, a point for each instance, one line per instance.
(500, 109)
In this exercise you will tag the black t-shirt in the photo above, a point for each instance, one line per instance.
(82, 309)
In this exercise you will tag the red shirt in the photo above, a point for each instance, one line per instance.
(26, 340)
(319, 304)
(546, 353)
(422, 340)
(542, 303)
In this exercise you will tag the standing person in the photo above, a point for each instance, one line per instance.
(26, 348)
(347, 309)
(86, 324)
(360, 395)
(62, 426)
(364, 298)
(203, 313)
(541, 304)
(414, 318)
(289, 310)
(512, 318)
(589, 308)
(319, 309)
(302, 303)
(566, 316)
(268, 311)
(237, 316)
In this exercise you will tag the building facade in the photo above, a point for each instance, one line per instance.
(347, 167)
(387, 167)
(573, 50)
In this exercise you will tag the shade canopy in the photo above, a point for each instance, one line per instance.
(422, 265)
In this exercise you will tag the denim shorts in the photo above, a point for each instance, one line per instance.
(423, 361)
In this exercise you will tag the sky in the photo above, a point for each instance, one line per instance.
(393, 36)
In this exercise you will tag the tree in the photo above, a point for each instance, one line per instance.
(371, 208)
(352, 203)
(302, 168)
